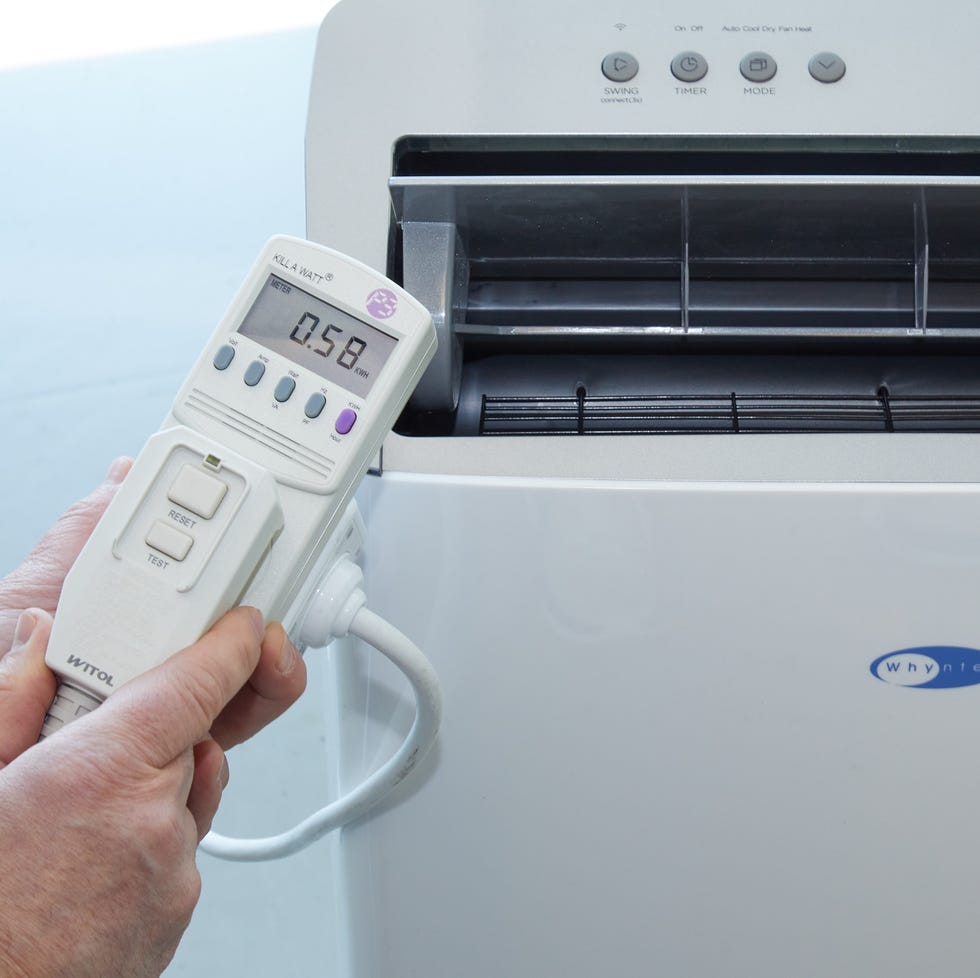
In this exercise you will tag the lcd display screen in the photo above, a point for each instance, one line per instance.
(340, 348)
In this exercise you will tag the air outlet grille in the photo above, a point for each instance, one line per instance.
(733, 413)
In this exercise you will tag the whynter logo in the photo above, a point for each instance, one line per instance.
(929, 667)
(90, 669)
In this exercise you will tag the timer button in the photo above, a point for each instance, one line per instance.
(224, 356)
(284, 389)
(315, 405)
(254, 372)
(345, 421)
(689, 66)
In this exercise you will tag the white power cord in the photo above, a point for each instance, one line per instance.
(338, 609)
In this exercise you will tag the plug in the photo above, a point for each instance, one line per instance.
(337, 599)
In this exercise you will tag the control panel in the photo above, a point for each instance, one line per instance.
(755, 66)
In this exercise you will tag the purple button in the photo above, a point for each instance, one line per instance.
(345, 421)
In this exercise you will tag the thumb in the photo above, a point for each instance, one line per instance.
(166, 710)
(27, 686)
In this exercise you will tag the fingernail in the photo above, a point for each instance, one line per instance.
(224, 774)
(24, 630)
(288, 656)
(118, 469)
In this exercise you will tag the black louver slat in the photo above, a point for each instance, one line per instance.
(727, 414)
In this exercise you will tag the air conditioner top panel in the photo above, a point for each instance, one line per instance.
(385, 70)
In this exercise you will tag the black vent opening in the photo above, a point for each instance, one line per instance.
(726, 413)
(657, 286)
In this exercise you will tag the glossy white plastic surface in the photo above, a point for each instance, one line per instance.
(664, 751)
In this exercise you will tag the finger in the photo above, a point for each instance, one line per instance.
(277, 682)
(27, 686)
(176, 784)
(171, 707)
(37, 582)
(210, 779)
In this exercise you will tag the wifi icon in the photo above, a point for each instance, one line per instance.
(620, 27)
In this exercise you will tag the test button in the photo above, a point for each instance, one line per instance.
(169, 540)
(197, 491)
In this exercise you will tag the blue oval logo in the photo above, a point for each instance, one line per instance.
(929, 667)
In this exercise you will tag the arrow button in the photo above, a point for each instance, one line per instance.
(827, 67)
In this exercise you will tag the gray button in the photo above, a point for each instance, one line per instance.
(197, 491)
(757, 66)
(315, 405)
(689, 66)
(224, 356)
(285, 388)
(827, 67)
(169, 540)
(254, 373)
(620, 66)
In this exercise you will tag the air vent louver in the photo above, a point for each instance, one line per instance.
(731, 413)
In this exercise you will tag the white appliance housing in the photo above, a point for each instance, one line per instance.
(698, 458)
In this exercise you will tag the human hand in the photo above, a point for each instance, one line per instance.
(37, 582)
(101, 820)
